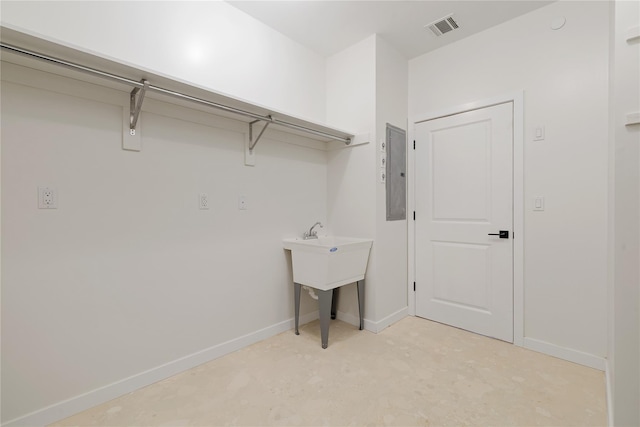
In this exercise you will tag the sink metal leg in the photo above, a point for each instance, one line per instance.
(334, 303)
(296, 299)
(361, 302)
(325, 297)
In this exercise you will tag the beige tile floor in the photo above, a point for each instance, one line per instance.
(415, 372)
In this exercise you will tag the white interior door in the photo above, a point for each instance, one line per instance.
(463, 195)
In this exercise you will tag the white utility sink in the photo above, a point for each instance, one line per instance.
(328, 262)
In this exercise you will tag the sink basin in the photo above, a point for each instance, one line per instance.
(328, 262)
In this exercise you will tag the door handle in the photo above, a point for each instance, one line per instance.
(504, 234)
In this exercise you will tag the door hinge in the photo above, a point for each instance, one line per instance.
(414, 286)
(414, 215)
(414, 144)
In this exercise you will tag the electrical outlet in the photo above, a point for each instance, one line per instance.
(242, 203)
(203, 201)
(47, 198)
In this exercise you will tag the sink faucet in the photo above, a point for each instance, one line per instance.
(312, 234)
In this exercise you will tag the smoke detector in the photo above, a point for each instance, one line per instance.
(442, 25)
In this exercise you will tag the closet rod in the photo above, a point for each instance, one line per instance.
(137, 84)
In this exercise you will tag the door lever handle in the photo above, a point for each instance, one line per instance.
(504, 234)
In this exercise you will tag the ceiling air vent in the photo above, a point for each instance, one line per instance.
(442, 25)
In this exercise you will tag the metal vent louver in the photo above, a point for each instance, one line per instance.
(443, 25)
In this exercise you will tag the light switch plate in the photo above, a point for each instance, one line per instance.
(538, 203)
(538, 133)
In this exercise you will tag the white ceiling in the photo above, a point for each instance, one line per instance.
(328, 27)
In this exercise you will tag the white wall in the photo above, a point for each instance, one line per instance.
(351, 173)
(211, 44)
(624, 286)
(564, 76)
(127, 281)
(106, 269)
(391, 236)
(366, 88)
(128, 274)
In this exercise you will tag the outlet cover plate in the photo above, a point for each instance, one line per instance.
(203, 201)
(47, 198)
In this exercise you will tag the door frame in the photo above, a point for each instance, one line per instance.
(518, 200)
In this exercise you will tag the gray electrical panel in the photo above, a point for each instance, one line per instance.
(396, 180)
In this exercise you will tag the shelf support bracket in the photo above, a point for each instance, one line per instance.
(252, 142)
(136, 106)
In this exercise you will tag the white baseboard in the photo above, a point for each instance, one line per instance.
(391, 319)
(569, 354)
(355, 321)
(66, 408)
(607, 376)
(370, 325)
